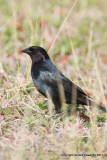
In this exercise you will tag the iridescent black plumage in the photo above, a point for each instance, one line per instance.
(47, 78)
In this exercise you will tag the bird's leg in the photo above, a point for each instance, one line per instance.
(57, 107)
(57, 110)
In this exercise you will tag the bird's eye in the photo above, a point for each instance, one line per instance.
(31, 49)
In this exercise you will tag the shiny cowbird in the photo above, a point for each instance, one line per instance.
(49, 80)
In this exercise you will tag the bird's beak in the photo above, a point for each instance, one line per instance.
(26, 50)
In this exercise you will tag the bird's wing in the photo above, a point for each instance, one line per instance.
(53, 79)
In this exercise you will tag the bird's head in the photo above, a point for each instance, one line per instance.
(37, 54)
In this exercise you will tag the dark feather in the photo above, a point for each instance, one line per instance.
(47, 78)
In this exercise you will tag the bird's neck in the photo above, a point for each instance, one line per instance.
(36, 68)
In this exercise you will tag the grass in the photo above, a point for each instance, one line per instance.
(78, 49)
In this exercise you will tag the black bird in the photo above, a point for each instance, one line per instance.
(48, 79)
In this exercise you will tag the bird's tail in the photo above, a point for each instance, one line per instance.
(102, 108)
(99, 106)
(90, 102)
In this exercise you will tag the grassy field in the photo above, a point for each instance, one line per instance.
(75, 35)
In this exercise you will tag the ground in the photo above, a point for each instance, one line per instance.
(75, 35)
